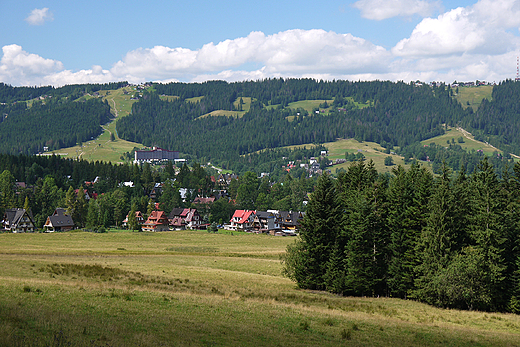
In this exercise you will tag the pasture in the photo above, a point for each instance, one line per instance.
(192, 288)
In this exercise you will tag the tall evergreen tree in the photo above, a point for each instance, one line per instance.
(306, 260)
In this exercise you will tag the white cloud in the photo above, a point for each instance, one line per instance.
(478, 29)
(21, 68)
(289, 52)
(384, 9)
(39, 16)
(477, 42)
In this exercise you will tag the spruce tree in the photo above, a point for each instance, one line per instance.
(306, 260)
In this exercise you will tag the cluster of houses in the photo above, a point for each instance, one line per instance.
(19, 220)
(279, 223)
(272, 222)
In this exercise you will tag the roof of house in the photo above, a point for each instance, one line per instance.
(12, 216)
(60, 219)
(243, 215)
(175, 212)
(199, 200)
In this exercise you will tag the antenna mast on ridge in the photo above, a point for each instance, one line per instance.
(517, 70)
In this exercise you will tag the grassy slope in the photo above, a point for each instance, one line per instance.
(102, 148)
(473, 95)
(469, 144)
(200, 289)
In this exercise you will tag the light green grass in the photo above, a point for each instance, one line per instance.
(370, 150)
(473, 95)
(469, 144)
(200, 289)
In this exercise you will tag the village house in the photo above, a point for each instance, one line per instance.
(265, 222)
(242, 220)
(17, 220)
(58, 221)
(182, 218)
(138, 217)
(157, 221)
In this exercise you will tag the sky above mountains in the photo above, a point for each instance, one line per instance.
(67, 42)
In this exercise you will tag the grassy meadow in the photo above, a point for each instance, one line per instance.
(473, 96)
(469, 144)
(192, 288)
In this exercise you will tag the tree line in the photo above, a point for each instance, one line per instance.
(450, 240)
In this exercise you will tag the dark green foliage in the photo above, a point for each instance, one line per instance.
(451, 241)
(54, 124)
(228, 141)
(307, 259)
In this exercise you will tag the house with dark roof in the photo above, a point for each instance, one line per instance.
(17, 220)
(265, 222)
(59, 221)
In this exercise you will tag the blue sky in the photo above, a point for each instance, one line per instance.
(66, 42)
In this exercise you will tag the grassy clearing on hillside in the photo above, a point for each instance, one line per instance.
(201, 289)
(102, 148)
(469, 144)
(473, 96)
(370, 150)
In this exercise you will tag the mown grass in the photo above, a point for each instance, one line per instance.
(473, 96)
(200, 289)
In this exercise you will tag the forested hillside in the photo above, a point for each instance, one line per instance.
(401, 114)
(54, 123)
(497, 121)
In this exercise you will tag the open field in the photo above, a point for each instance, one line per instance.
(246, 106)
(473, 96)
(200, 289)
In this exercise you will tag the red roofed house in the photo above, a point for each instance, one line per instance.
(242, 220)
(157, 221)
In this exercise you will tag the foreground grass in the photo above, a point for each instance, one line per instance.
(199, 289)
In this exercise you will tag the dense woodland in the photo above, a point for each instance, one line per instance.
(398, 116)
(451, 241)
(402, 114)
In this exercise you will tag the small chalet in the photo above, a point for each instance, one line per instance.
(242, 220)
(264, 222)
(17, 220)
(182, 218)
(157, 221)
(59, 221)
(138, 217)
(199, 200)
(290, 220)
(192, 219)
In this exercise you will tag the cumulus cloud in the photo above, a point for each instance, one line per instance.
(477, 42)
(478, 29)
(290, 52)
(39, 16)
(22, 68)
(384, 9)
